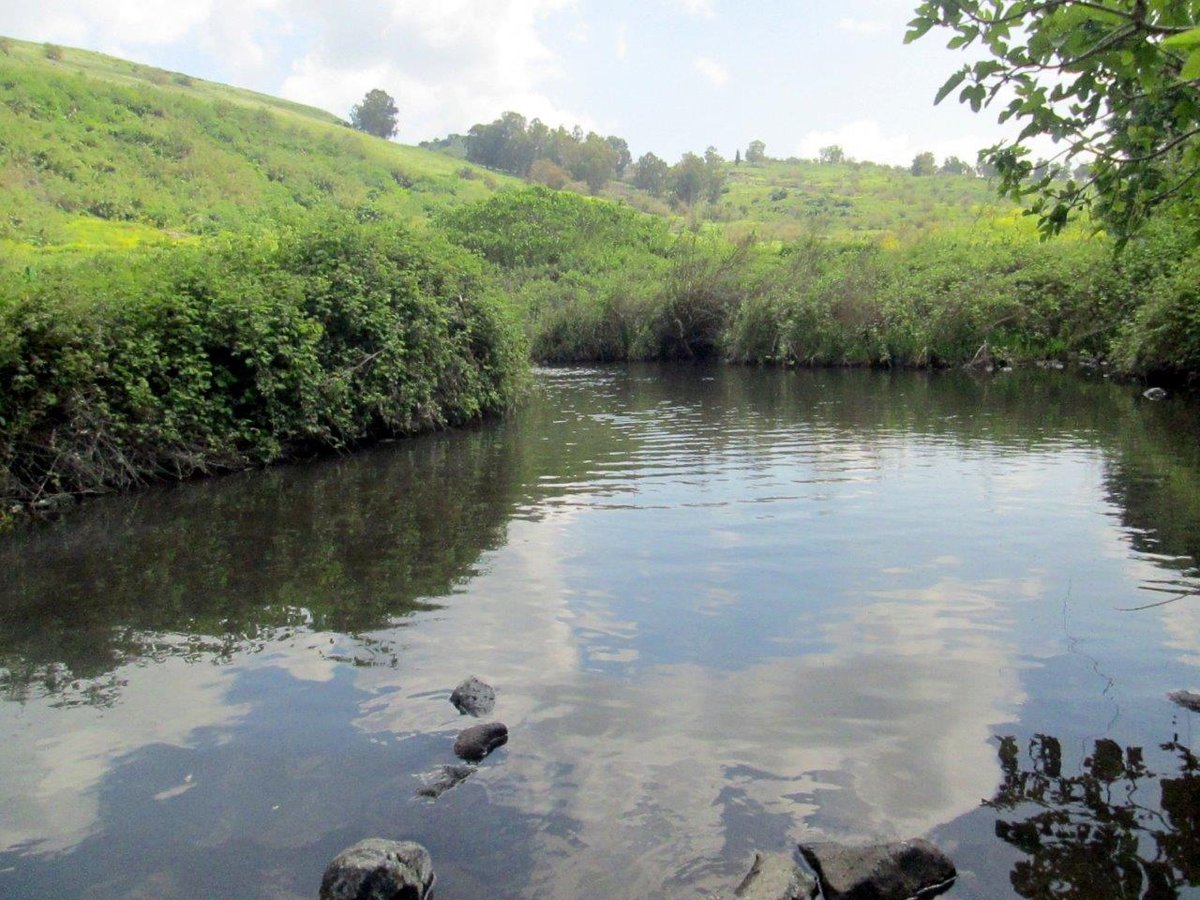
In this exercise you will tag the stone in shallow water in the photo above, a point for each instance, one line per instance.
(377, 869)
(443, 779)
(474, 698)
(476, 742)
(895, 871)
(1155, 393)
(776, 877)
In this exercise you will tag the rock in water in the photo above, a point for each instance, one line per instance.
(776, 877)
(376, 869)
(474, 698)
(443, 779)
(476, 742)
(1186, 699)
(880, 872)
(1155, 393)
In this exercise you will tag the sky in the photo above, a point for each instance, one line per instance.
(667, 75)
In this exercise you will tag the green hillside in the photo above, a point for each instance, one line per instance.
(790, 199)
(98, 152)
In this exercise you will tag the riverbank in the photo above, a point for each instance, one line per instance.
(597, 282)
(178, 361)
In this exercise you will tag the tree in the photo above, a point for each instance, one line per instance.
(687, 178)
(650, 174)
(756, 153)
(952, 165)
(593, 161)
(621, 148)
(1116, 82)
(832, 154)
(923, 164)
(714, 175)
(376, 114)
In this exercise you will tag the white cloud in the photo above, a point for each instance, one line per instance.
(864, 139)
(448, 65)
(866, 27)
(241, 34)
(622, 43)
(706, 9)
(716, 73)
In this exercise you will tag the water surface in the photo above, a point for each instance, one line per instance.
(723, 609)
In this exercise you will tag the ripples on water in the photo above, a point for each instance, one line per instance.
(724, 610)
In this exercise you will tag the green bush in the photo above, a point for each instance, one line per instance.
(1163, 337)
(185, 360)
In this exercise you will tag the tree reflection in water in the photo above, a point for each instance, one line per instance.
(1101, 832)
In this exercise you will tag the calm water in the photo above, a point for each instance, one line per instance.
(723, 609)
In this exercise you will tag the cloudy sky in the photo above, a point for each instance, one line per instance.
(668, 75)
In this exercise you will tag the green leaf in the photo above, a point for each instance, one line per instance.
(1191, 68)
(951, 83)
(1186, 40)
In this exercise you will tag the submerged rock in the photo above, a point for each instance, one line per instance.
(443, 779)
(376, 869)
(776, 877)
(474, 698)
(1155, 393)
(895, 871)
(1186, 699)
(476, 742)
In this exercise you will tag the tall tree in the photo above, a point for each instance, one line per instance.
(687, 179)
(593, 161)
(1115, 82)
(756, 152)
(377, 114)
(831, 154)
(924, 164)
(650, 174)
(714, 175)
(621, 148)
(952, 165)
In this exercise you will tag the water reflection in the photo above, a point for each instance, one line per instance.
(1113, 828)
(223, 569)
(724, 610)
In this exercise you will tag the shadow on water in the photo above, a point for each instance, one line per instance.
(209, 570)
(1112, 823)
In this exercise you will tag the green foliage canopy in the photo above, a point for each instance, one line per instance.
(1116, 82)
(376, 114)
(923, 164)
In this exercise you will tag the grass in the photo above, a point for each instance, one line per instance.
(788, 200)
(91, 145)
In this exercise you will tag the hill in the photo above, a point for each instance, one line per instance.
(99, 152)
(789, 199)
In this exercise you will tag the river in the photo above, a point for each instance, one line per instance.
(724, 609)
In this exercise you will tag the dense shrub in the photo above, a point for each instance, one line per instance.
(599, 281)
(176, 361)
(1163, 337)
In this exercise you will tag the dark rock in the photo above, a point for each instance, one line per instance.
(474, 698)
(776, 877)
(880, 872)
(443, 779)
(1155, 393)
(476, 742)
(1186, 699)
(376, 869)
